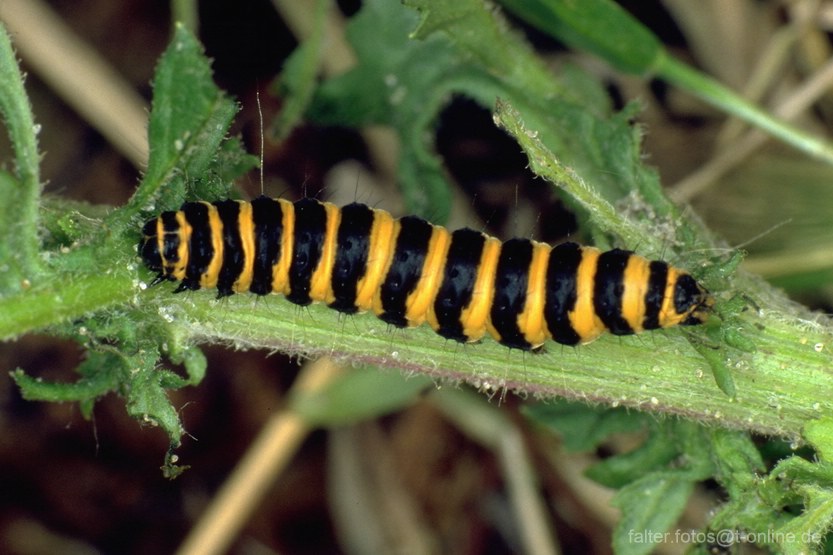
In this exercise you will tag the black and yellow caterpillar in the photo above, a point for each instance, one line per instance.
(408, 271)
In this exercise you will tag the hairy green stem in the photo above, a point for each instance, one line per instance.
(62, 298)
(20, 195)
(783, 384)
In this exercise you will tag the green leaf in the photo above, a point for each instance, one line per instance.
(650, 506)
(717, 363)
(619, 470)
(582, 428)
(796, 481)
(297, 82)
(805, 533)
(737, 461)
(189, 120)
(819, 433)
(484, 40)
(602, 27)
(695, 448)
(403, 84)
(67, 222)
(466, 48)
(790, 510)
(147, 400)
(101, 373)
(800, 471)
(230, 162)
(360, 394)
(194, 361)
(570, 116)
(216, 183)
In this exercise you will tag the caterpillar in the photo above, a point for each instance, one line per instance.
(408, 271)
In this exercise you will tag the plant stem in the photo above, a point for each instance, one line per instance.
(62, 298)
(785, 383)
(20, 197)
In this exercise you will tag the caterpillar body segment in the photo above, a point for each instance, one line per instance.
(407, 271)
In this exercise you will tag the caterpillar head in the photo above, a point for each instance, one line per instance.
(161, 250)
(149, 246)
(692, 301)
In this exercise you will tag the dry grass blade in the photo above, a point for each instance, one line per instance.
(796, 103)
(250, 480)
(79, 75)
